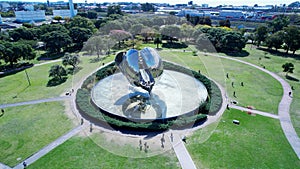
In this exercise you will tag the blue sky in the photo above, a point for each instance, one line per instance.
(210, 2)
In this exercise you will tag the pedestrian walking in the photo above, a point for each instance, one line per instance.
(24, 164)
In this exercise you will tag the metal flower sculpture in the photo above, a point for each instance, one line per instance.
(141, 68)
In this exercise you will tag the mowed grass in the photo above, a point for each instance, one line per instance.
(274, 63)
(82, 152)
(15, 88)
(26, 129)
(258, 142)
(260, 90)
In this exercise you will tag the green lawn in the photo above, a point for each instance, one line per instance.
(274, 63)
(15, 88)
(258, 142)
(82, 152)
(260, 89)
(26, 129)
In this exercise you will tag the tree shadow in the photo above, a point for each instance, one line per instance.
(72, 71)
(242, 53)
(56, 81)
(95, 60)
(279, 53)
(292, 78)
(6, 70)
(50, 56)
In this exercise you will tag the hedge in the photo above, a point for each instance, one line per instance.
(86, 107)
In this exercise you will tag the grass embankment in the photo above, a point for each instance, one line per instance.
(82, 152)
(15, 88)
(273, 62)
(258, 142)
(26, 129)
(260, 90)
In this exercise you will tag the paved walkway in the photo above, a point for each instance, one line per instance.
(35, 102)
(283, 108)
(182, 154)
(47, 62)
(3, 166)
(254, 111)
(50, 147)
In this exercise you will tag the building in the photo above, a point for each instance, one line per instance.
(29, 16)
(190, 12)
(204, 5)
(63, 13)
(231, 14)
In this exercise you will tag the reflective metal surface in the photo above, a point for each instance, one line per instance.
(142, 68)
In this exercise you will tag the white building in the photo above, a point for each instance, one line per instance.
(231, 14)
(63, 13)
(204, 5)
(29, 16)
(29, 8)
(190, 12)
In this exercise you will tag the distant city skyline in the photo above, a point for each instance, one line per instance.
(199, 2)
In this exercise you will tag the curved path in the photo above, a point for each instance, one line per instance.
(179, 148)
(283, 107)
(35, 101)
(50, 147)
(254, 111)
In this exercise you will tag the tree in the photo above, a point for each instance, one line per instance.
(288, 68)
(79, 36)
(108, 43)
(170, 32)
(92, 15)
(114, 9)
(186, 31)
(119, 35)
(148, 33)
(94, 44)
(147, 7)
(261, 34)
(109, 26)
(158, 21)
(225, 23)
(136, 29)
(98, 44)
(46, 28)
(157, 41)
(275, 40)
(81, 22)
(57, 71)
(56, 40)
(13, 52)
(278, 23)
(71, 59)
(58, 18)
(291, 38)
(207, 21)
(232, 41)
(21, 33)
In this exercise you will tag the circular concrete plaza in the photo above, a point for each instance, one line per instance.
(175, 94)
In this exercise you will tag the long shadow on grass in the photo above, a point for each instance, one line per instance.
(279, 53)
(55, 81)
(243, 53)
(292, 78)
(72, 71)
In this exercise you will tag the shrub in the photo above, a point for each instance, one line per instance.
(174, 45)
